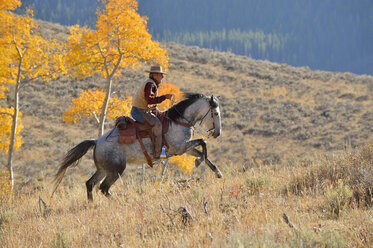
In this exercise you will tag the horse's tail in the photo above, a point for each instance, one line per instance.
(72, 158)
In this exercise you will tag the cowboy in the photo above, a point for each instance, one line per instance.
(144, 105)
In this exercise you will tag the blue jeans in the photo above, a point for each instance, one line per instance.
(142, 116)
(137, 115)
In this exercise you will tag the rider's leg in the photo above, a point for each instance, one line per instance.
(157, 133)
(137, 114)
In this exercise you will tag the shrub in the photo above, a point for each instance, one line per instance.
(61, 240)
(354, 168)
(9, 216)
(308, 238)
(254, 184)
(337, 197)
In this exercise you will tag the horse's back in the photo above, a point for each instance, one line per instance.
(110, 148)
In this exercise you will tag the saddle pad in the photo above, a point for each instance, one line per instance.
(128, 135)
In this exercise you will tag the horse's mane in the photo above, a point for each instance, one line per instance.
(177, 110)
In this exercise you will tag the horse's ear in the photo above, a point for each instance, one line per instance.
(213, 102)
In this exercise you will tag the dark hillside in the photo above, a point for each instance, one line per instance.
(271, 112)
(333, 35)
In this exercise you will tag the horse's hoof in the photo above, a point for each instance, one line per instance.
(219, 175)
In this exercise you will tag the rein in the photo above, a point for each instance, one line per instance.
(181, 123)
(188, 125)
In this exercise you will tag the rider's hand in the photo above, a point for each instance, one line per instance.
(169, 96)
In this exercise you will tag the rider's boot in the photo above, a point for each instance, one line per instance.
(157, 135)
(157, 146)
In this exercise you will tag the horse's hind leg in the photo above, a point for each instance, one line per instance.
(90, 184)
(106, 184)
(116, 169)
(109, 157)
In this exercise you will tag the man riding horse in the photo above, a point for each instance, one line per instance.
(144, 105)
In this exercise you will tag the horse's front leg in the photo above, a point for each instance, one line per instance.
(202, 155)
(198, 154)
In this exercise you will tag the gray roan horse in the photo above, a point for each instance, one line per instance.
(111, 157)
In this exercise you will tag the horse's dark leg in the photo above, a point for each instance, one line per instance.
(192, 144)
(200, 142)
(198, 154)
(96, 178)
(117, 170)
(214, 168)
(108, 182)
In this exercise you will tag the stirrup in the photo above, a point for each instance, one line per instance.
(163, 153)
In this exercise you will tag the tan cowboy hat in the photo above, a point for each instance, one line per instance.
(156, 69)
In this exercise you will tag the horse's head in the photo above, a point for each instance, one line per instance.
(198, 108)
(212, 118)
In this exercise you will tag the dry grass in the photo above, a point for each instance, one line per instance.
(244, 209)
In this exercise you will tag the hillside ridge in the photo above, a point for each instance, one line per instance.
(271, 113)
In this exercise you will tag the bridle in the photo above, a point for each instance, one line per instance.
(202, 119)
(212, 117)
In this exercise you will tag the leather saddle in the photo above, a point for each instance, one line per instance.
(130, 130)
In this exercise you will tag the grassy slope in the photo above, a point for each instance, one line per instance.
(277, 120)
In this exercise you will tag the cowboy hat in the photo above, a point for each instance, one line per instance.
(156, 69)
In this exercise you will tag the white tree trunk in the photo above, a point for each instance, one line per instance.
(109, 82)
(105, 105)
(13, 132)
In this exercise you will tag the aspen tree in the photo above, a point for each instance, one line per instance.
(120, 40)
(26, 56)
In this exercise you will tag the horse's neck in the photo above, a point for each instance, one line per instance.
(193, 112)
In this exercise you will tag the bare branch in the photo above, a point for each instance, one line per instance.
(42, 203)
(96, 117)
(170, 216)
(6, 113)
(287, 221)
(205, 206)
(186, 217)
(105, 59)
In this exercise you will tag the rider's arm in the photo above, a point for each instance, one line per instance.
(150, 91)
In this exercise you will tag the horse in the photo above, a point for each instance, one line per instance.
(111, 156)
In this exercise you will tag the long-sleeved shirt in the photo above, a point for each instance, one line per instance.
(150, 91)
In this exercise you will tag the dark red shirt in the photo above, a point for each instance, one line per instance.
(150, 91)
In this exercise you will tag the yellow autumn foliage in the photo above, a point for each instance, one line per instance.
(3, 89)
(6, 121)
(25, 56)
(119, 40)
(5, 185)
(89, 104)
(168, 88)
(9, 4)
(184, 162)
(23, 47)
